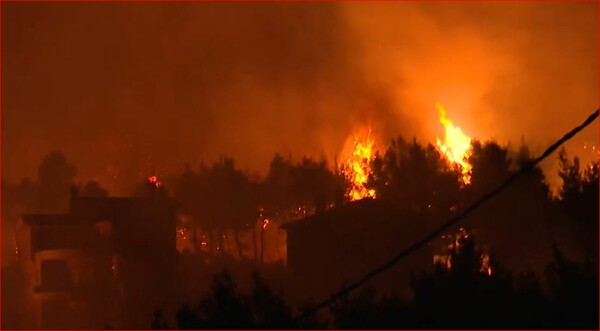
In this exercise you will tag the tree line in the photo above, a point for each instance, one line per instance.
(221, 198)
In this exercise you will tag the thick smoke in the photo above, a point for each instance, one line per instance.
(128, 88)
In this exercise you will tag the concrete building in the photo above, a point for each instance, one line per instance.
(91, 267)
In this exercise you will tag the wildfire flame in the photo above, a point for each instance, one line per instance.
(358, 169)
(456, 146)
(154, 181)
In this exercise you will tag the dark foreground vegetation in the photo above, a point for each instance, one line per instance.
(456, 298)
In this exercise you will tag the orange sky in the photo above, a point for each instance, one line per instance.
(127, 88)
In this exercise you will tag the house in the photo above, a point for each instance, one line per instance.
(90, 267)
(339, 246)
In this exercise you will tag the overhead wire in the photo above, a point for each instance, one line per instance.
(437, 232)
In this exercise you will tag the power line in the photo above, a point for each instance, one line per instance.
(451, 222)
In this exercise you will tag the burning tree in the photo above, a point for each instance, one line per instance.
(456, 146)
(221, 199)
(357, 169)
(454, 246)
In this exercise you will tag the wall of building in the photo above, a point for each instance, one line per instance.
(39, 297)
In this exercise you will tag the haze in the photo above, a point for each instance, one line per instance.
(124, 89)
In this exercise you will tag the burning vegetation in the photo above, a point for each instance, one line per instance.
(454, 244)
(357, 169)
(228, 217)
(339, 202)
(456, 146)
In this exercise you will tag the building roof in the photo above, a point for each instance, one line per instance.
(94, 209)
(363, 211)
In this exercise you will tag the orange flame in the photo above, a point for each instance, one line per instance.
(358, 168)
(456, 146)
(485, 264)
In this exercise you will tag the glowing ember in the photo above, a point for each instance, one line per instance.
(301, 211)
(358, 168)
(485, 264)
(454, 245)
(154, 181)
(114, 265)
(592, 149)
(265, 223)
(456, 146)
(182, 240)
(16, 247)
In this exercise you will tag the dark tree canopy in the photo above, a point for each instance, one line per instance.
(93, 189)
(55, 179)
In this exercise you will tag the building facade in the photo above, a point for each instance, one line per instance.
(333, 248)
(90, 267)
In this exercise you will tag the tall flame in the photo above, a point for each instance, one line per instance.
(456, 146)
(358, 168)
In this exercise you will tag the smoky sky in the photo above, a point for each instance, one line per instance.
(124, 89)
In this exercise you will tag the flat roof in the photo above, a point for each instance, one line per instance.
(362, 209)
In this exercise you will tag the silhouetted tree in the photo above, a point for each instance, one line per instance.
(578, 198)
(416, 177)
(226, 307)
(219, 198)
(520, 218)
(462, 296)
(367, 310)
(93, 189)
(308, 184)
(570, 174)
(55, 178)
(530, 307)
(234, 204)
(574, 290)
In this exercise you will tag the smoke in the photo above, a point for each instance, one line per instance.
(124, 89)
(506, 71)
